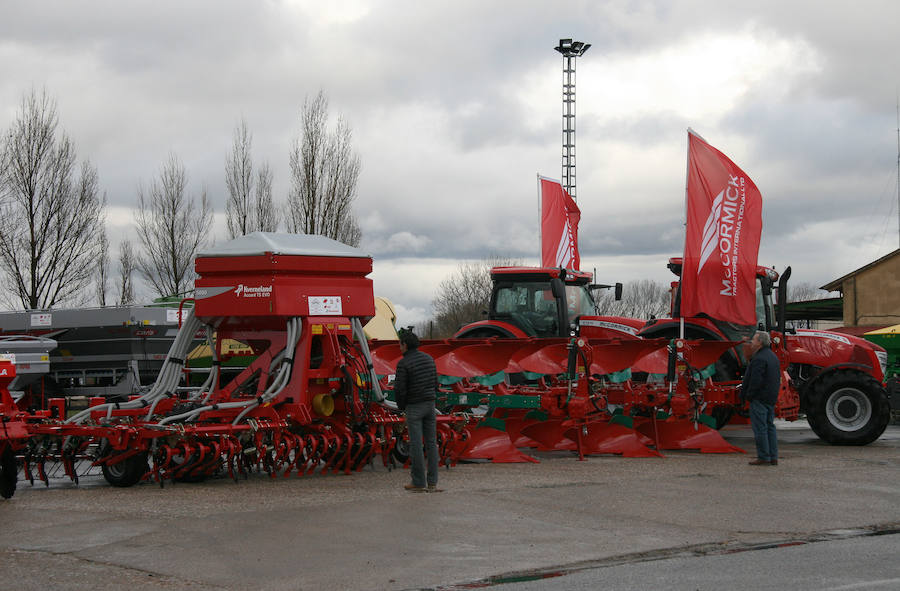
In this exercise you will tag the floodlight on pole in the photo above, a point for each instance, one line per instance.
(569, 50)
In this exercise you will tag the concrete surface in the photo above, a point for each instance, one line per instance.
(365, 532)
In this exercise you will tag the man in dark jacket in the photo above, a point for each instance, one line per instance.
(762, 380)
(415, 387)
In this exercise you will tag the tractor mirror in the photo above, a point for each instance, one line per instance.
(599, 286)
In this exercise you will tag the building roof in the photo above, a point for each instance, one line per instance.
(837, 284)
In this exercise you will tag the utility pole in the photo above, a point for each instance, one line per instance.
(569, 50)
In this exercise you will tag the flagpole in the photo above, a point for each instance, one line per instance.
(540, 228)
(687, 172)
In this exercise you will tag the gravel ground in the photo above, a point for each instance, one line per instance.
(364, 532)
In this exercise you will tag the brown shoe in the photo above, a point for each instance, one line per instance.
(758, 462)
(774, 462)
(433, 488)
(414, 488)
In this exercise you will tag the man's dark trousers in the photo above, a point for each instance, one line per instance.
(762, 418)
(421, 420)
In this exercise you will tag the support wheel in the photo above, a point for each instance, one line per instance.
(128, 472)
(8, 472)
(848, 408)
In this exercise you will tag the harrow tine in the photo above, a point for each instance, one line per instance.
(360, 448)
(348, 457)
(329, 452)
(26, 467)
(230, 449)
(215, 458)
(446, 444)
(312, 443)
(181, 471)
(298, 446)
(42, 473)
(344, 459)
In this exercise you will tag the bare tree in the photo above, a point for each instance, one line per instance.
(324, 174)
(171, 227)
(126, 271)
(266, 219)
(464, 296)
(239, 179)
(605, 302)
(102, 269)
(51, 211)
(249, 206)
(643, 299)
(804, 292)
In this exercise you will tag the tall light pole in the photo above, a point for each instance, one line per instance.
(569, 50)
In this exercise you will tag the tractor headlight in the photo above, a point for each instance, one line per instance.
(882, 361)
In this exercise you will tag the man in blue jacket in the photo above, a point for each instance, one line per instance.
(762, 380)
(415, 388)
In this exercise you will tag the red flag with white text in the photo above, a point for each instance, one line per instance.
(559, 226)
(724, 224)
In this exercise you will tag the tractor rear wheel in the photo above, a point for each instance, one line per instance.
(848, 408)
(128, 472)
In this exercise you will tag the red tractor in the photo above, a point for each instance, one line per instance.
(546, 302)
(837, 378)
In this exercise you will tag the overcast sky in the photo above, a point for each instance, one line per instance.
(456, 106)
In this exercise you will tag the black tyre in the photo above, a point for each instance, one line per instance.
(848, 408)
(128, 472)
(400, 451)
(8, 472)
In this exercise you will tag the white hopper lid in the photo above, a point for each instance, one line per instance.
(258, 243)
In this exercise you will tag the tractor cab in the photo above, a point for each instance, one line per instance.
(535, 302)
(766, 318)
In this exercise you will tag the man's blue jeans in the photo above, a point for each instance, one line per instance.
(762, 420)
(421, 421)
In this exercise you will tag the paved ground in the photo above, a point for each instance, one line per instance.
(364, 532)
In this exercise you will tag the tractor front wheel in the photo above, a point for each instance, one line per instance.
(848, 408)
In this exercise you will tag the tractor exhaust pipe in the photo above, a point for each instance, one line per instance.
(782, 300)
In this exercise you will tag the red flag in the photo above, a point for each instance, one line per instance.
(724, 223)
(559, 226)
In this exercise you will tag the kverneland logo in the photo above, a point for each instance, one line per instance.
(247, 291)
(722, 233)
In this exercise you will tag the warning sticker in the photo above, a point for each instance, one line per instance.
(325, 306)
(45, 319)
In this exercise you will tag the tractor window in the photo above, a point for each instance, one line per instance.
(765, 308)
(512, 299)
(579, 301)
(760, 307)
(528, 305)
